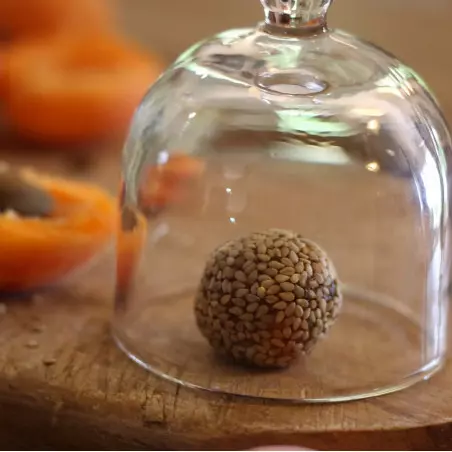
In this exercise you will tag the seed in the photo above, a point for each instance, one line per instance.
(262, 310)
(249, 255)
(319, 323)
(236, 311)
(319, 278)
(271, 272)
(239, 302)
(313, 256)
(296, 324)
(261, 249)
(252, 298)
(261, 292)
(304, 325)
(281, 278)
(249, 326)
(306, 313)
(287, 286)
(261, 278)
(223, 317)
(289, 271)
(287, 262)
(322, 305)
(248, 267)
(254, 288)
(312, 317)
(285, 251)
(241, 292)
(277, 343)
(252, 276)
(293, 257)
(317, 267)
(309, 270)
(318, 313)
(237, 285)
(303, 279)
(290, 309)
(297, 335)
(279, 317)
(228, 272)
(240, 276)
(226, 286)
(313, 304)
(248, 317)
(268, 283)
(287, 296)
(287, 332)
(217, 286)
(280, 306)
(225, 299)
(273, 289)
(278, 244)
(299, 292)
(271, 299)
(288, 321)
(313, 284)
(295, 278)
(230, 261)
(261, 266)
(263, 257)
(299, 267)
(276, 264)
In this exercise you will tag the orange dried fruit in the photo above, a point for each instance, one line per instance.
(76, 89)
(36, 252)
(37, 18)
(165, 183)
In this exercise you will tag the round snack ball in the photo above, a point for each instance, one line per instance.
(267, 298)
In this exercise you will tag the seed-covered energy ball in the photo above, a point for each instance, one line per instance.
(267, 298)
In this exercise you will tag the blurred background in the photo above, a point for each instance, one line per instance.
(416, 31)
(72, 71)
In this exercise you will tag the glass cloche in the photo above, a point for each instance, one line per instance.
(285, 217)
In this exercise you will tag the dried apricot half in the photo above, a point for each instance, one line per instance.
(76, 89)
(49, 227)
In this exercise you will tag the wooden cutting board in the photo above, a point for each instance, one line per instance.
(64, 385)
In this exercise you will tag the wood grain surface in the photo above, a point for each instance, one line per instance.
(73, 389)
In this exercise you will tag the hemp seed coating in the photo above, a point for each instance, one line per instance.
(267, 298)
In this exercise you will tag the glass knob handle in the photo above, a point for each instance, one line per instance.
(296, 13)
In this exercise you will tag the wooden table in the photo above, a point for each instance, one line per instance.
(64, 385)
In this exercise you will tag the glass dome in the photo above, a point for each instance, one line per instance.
(285, 217)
